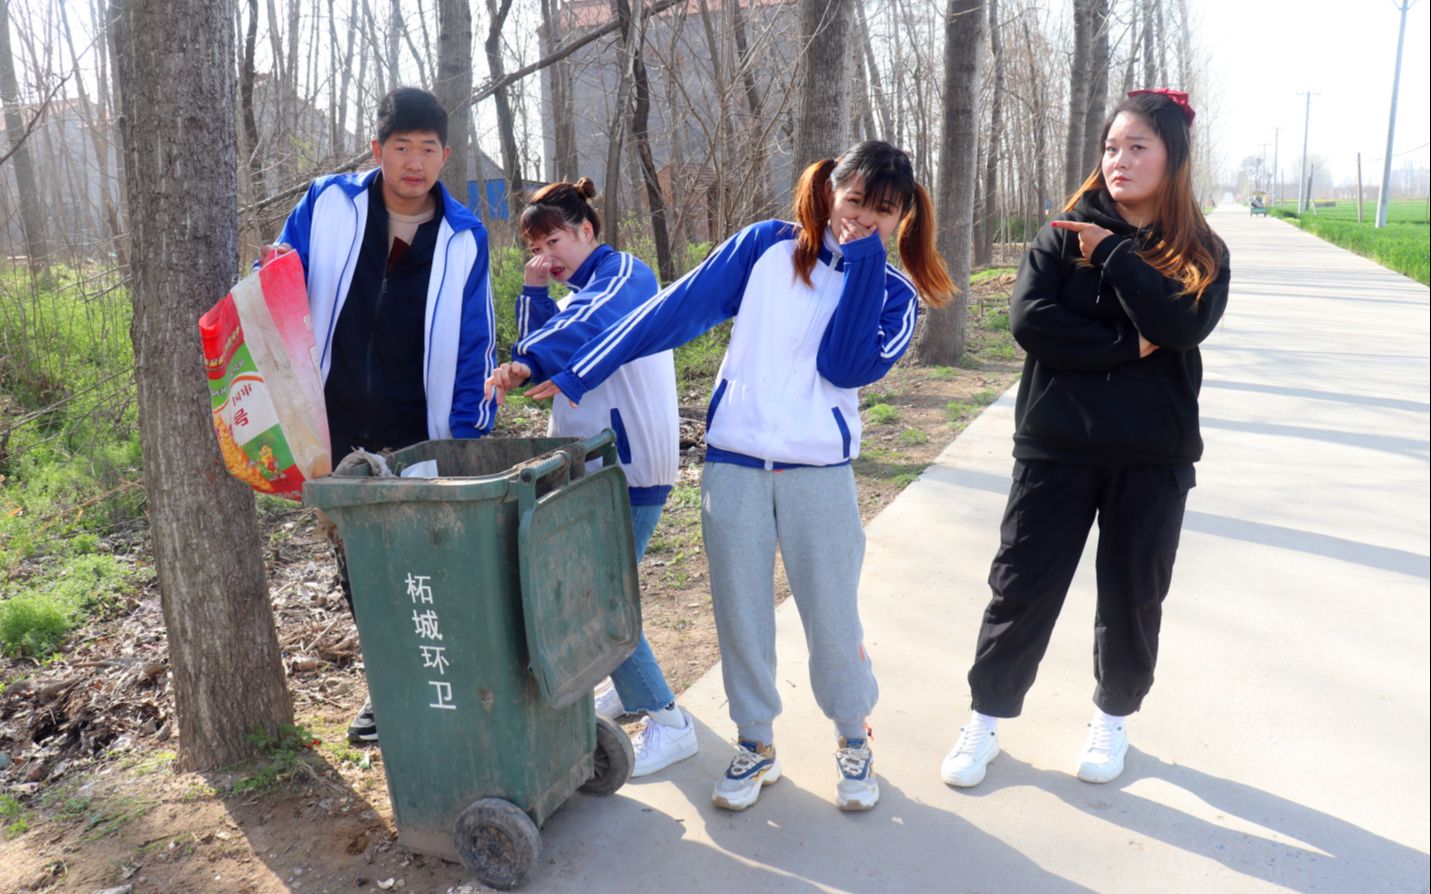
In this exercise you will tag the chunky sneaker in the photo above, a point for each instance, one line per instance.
(608, 703)
(364, 728)
(1103, 753)
(658, 746)
(753, 767)
(858, 788)
(968, 761)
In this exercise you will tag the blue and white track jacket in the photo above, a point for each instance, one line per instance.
(326, 229)
(638, 400)
(787, 394)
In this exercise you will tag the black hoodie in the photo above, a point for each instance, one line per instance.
(1085, 396)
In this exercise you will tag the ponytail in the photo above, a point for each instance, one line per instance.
(888, 176)
(812, 212)
(919, 254)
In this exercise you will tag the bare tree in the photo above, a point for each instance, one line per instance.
(984, 247)
(941, 343)
(634, 30)
(453, 86)
(822, 124)
(228, 678)
(32, 212)
(1078, 76)
(563, 109)
(1097, 85)
(497, 11)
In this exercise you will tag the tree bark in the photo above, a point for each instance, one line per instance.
(506, 127)
(822, 121)
(1098, 25)
(941, 342)
(453, 86)
(1150, 40)
(228, 678)
(32, 209)
(640, 122)
(1078, 75)
(984, 250)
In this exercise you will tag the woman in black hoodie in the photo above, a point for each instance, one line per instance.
(1111, 303)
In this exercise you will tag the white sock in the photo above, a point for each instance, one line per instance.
(669, 716)
(990, 723)
(1107, 719)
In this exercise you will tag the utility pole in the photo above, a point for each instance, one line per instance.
(1261, 168)
(1358, 188)
(1391, 124)
(1304, 187)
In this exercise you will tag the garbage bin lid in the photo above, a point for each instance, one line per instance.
(580, 592)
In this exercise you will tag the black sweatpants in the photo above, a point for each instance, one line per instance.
(1051, 507)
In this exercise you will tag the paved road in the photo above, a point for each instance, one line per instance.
(1286, 743)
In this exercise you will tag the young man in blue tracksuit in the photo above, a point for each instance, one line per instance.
(397, 277)
(818, 313)
(638, 402)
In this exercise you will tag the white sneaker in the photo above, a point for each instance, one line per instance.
(1103, 753)
(658, 746)
(967, 762)
(753, 767)
(608, 703)
(858, 788)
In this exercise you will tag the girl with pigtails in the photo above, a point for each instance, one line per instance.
(819, 312)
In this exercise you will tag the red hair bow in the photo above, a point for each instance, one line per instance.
(1179, 97)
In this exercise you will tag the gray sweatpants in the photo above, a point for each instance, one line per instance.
(812, 513)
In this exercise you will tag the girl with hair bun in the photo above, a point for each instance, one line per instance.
(638, 402)
(819, 312)
(1111, 303)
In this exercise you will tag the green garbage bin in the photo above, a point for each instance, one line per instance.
(489, 601)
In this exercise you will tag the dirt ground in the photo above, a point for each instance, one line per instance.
(91, 800)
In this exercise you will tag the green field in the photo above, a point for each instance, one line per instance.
(1404, 244)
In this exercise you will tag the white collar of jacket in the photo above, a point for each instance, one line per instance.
(339, 216)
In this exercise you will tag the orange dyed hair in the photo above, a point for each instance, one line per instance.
(1184, 247)
(888, 178)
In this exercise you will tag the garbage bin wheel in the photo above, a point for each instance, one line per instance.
(613, 758)
(498, 843)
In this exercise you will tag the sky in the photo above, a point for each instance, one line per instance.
(1264, 53)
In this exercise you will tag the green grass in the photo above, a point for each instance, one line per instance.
(882, 414)
(912, 437)
(12, 817)
(1402, 245)
(38, 613)
(989, 273)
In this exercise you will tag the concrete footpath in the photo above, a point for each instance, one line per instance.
(1285, 745)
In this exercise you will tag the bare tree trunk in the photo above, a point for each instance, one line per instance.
(32, 210)
(876, 92)
(394, 36)
(941, 342)
(228, 677)
(757, 178)
(822, 121)
(611, 182)
(984, 249)
(453, 86)
(1130, 69)
(250, 123)
(1077, 98)
(635, 31)
(1150, 41)
(340, 141)
(506, 126)
(1161, 42)
(1097, 85)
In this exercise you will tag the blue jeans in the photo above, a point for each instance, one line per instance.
(639, 680)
